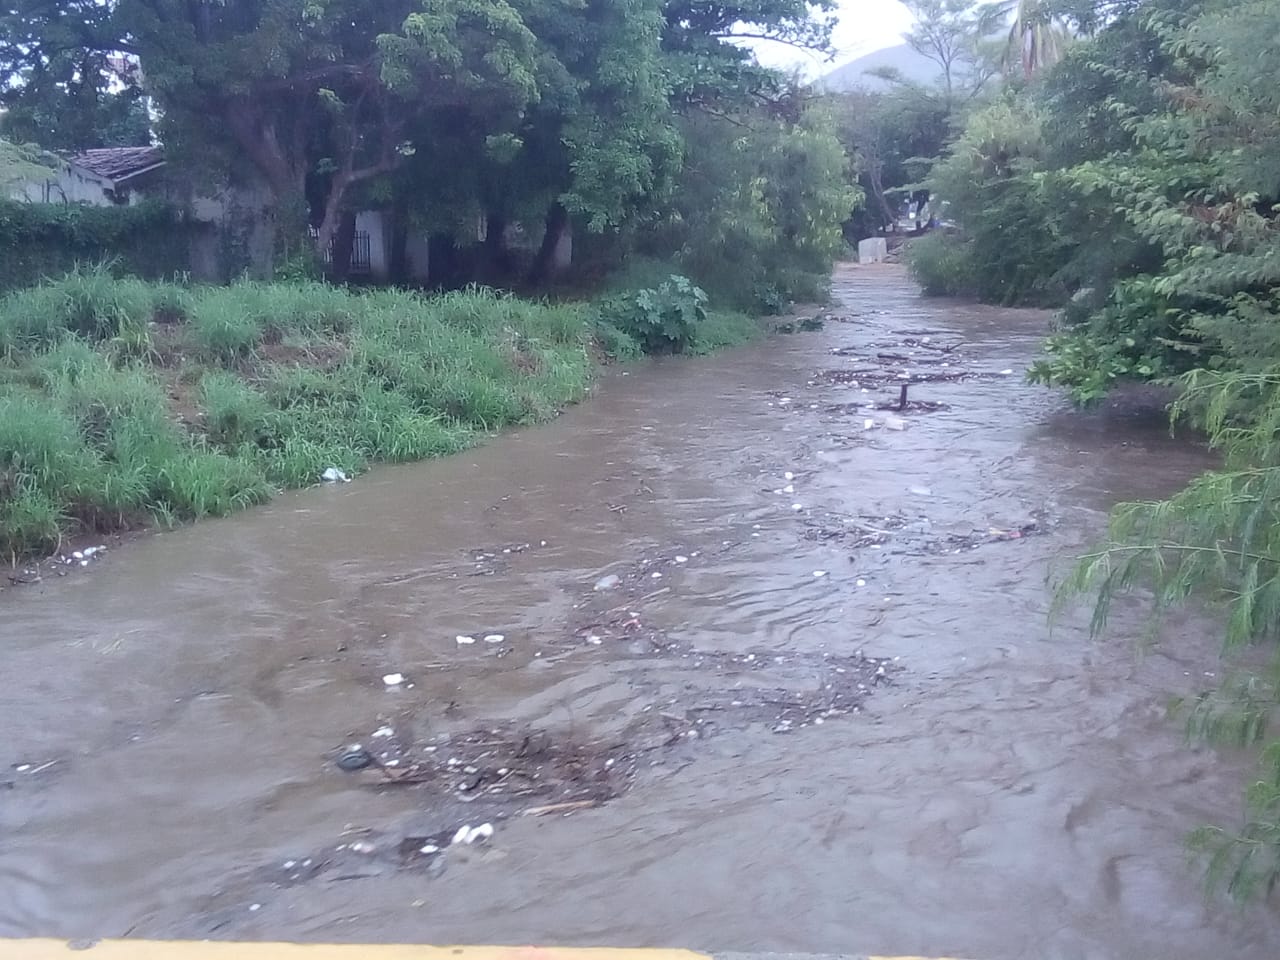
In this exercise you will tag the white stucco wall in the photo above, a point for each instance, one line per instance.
(69, 185)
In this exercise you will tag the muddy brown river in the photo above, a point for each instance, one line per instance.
(819, 712)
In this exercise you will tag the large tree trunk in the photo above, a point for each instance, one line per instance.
(333, 217)
(887, 215)
(283, 170)
(556, 221)
(496, 266)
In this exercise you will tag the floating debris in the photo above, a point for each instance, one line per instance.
(334, 475)
(355, 757)
(468, 835)
(393, 679)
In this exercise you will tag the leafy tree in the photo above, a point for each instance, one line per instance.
(69, 88)
(894, 137)
(1015, 245)
(1038, 37)
(952, 33)
(448, 112)
(757, 211)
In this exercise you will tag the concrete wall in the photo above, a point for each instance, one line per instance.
(72, 184)
(374, 223)
(873, 250)
(69, 185)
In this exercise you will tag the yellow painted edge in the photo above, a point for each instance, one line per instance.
(47, 949)
(233, 950)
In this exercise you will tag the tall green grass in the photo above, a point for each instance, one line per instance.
(124, 402)
(275, 383)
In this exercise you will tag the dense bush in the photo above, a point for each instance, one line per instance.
(756, 219)
(43, 240)
(1010, 246)
(942, 264)
(662, 319)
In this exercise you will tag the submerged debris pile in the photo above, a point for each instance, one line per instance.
(915, 536)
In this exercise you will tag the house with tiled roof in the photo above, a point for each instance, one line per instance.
(106, 176)
(224, 224)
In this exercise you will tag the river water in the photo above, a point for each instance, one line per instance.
(1009, 791)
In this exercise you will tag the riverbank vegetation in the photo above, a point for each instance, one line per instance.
(1135, 184)
(699, 189)
(124, 402)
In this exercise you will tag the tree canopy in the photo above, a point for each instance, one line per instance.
(513, 114)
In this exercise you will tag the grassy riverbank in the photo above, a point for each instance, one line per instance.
(124, 403)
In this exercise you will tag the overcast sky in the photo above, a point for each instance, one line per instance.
(865, 25)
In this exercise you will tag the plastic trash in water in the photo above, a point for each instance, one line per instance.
(468, 834)
(334, 475)
(494, 638)
(464, 640)
(393, 679)
(868, 424)
(608, 583)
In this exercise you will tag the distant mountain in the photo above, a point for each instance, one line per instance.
(854, 75)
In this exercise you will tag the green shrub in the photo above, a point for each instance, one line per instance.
(942, 264)
(43, 240)
(756, 217)
(661, 319)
